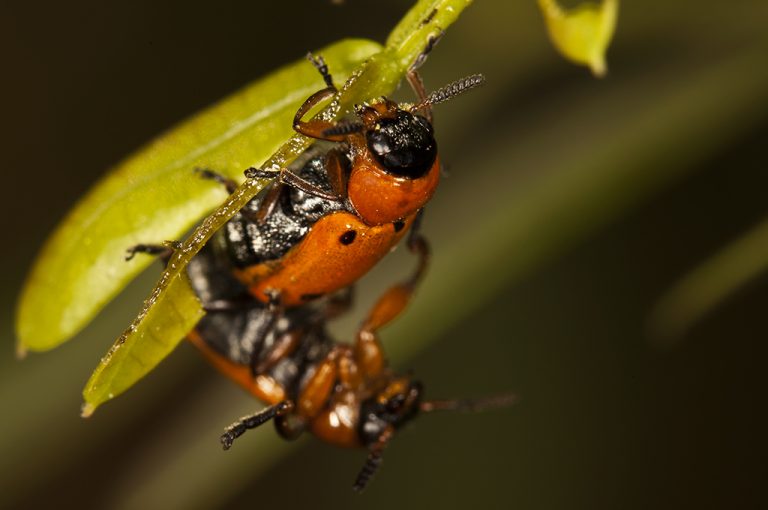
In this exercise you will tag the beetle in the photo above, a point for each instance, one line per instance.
(344, 394)
(319, 229)
(284, 266)
(328, 219)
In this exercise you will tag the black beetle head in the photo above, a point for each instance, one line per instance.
(404, 145)
(391, 408)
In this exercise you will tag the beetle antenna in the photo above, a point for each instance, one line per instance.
(370, 467)
(373, 461)
(450, 91)
(469, 405)
(344, 128)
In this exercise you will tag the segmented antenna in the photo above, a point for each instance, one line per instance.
(344, 128)
(370, 467)
(451, 90)
(322, 68)
(469, 405)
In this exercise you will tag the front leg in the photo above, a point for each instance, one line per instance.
(337, 173)
(414, 78)
(322, 129)
(316, 128)
(254, 420)
(285, 176)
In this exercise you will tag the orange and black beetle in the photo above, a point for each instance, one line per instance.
(284, 265)
(328, 219)
(325, 222)
(318, 229)
(344, 394)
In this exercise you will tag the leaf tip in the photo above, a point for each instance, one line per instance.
(582, 34)
(598, 66)
(21, 351)
(87, 409)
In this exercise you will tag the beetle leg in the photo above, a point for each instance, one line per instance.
(163, 251)
(418, 245)
(268, 204)
(317, 128)
(263, 387)
(350, 376)
(422, 57)
(315, 393)
(208, 174)
(275, 309)
(417, 84)
(290, 178)
(368, 350)
(252, 421)
(369, 355)
(283, 347)
(338, 175)
(285, 176)
(414, 79)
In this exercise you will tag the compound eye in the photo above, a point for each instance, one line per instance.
(425, 124)
(380, 144)
(395, 403)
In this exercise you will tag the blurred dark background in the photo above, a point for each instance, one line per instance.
(571, 205)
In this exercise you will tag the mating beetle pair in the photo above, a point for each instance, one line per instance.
(284, 265)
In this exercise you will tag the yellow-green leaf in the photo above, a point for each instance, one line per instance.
(153, 196)
(152, 340)
(582, 34)
(378, 76)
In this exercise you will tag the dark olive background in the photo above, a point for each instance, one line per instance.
(606, 420)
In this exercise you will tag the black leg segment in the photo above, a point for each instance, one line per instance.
(252, 421)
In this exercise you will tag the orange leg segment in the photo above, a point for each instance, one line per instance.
(368, 350)
(316, 391)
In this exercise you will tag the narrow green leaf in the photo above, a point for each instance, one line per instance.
(152, 340)
(582, 34)
(378, 76)
(708, 285)
(153, 196)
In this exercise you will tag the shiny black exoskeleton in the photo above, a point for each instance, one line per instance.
(249, 242)
(268, 304)
(405, 146)
(398, 410)
(243, 330)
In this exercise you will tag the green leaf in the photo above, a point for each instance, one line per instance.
(152, 340)
(582, 34)
(708, 285)
(421, 26)
(153, 196)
